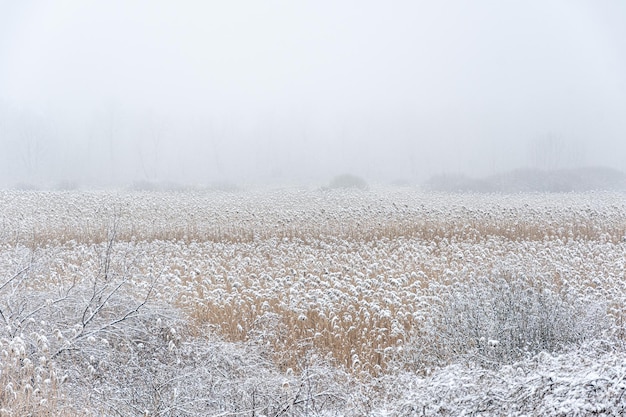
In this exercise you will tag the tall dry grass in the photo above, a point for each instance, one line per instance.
(327, 242)
(31, 388)
(38, 219)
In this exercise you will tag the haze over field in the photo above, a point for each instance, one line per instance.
(114, 92)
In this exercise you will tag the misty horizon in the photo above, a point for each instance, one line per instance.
(248, 92)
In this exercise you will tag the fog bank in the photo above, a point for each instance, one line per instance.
(106, 93)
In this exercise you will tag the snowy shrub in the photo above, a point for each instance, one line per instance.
(583, 382)
(67, 185)
(348, 181)
(224, 186)
(501, 320)
(154, 372)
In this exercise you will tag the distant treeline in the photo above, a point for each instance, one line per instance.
(534, 180)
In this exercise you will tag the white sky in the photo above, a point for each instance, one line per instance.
(242, 90)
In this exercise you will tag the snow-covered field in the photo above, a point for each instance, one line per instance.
(387, 302)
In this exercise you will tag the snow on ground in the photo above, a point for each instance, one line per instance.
(322, 302)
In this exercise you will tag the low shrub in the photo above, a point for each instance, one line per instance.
(348, 181)
(500, 320)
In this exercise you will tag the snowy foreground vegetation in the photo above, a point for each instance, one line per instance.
(385, 302)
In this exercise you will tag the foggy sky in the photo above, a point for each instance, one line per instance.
(110, 92)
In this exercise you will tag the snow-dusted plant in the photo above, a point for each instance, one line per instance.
(493, 321)
(585, 381)
(96, 340)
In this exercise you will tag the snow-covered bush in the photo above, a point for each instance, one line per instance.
(347, 181)
(503, 319)
(582, 382)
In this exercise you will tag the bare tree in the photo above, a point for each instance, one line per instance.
(552, 151)
(111, 132)
(33, 138)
